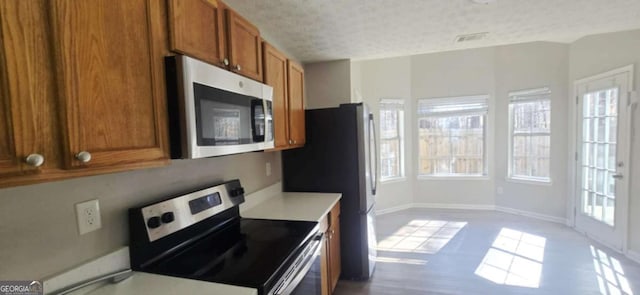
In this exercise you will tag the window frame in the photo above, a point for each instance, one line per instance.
(400, 130)
(524, 96)
(484, 112)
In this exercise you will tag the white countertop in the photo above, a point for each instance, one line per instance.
(294, 206)
(144, 283)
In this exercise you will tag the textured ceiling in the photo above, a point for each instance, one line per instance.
(314, 30)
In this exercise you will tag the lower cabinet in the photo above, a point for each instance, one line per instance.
(331, 250)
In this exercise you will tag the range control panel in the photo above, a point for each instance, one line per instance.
(169, 216)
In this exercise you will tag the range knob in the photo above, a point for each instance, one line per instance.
(167, 217)
(237, 191)
(154, 222)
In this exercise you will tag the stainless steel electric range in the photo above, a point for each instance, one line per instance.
(200, 235)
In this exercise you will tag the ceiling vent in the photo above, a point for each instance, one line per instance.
(471, 37)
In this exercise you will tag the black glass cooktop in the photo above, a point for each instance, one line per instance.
(247, 252)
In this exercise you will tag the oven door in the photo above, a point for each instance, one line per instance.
(304, 276)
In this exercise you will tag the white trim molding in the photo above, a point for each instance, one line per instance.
(484, 207)
(453, 206)
(633, 255)
(530, 214)
(393, 209)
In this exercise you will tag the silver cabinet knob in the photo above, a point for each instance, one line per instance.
(84, 156)
(294, 141)
(238, 68)
(290, 141)
(225, 61)
(35, 160)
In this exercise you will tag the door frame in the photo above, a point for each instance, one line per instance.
(629, 100)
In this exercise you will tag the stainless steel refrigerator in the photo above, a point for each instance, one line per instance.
(340, 155)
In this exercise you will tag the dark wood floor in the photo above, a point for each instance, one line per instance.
(424, 251)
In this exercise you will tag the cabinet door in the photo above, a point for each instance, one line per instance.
(27, 90)
(334, 248)
(296, 104)
(275, 75)
(9, 162)
(196, 29)
(245, 46)
(110, 69)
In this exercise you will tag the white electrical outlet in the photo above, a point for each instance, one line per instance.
(88, 214)
(268, 168)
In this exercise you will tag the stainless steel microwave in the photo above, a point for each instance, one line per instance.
(214, 112)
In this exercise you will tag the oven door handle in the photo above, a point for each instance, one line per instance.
(296, 276)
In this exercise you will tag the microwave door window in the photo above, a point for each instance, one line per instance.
(222, 117)
(226, 125)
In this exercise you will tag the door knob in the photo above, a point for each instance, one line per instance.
(84, 156)
(35, 160)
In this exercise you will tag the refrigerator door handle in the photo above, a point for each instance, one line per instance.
(373, 157)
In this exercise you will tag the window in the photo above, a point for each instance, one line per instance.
(452, 136)
(530, 129)
(391, 139)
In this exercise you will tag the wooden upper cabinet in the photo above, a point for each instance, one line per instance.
(275, 75)
(28, 111)
(296, 103)
(244, 46)
(197, 29)
(9, 160)
(110, 70)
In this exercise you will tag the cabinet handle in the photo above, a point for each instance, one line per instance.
(35, 160)
(294, 141)
(290, 141)
(225, 61)
(238, 68)
(84, 156)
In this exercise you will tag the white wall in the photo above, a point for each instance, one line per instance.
(600, 53)
(38, 232)
(494, 71)
(390, 78)
(455, 73)
(526, 66)
(327, 84)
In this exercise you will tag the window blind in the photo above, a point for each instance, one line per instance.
(529, 95)
(453, 105)
(392, 104)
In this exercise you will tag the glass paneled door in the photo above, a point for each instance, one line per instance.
(602, 144)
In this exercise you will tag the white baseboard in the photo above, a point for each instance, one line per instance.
(633, 255)
(393, 209)
(532, 214)
(473, 207)
(453, 206)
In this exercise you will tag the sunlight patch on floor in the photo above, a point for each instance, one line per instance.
(422, 236)
(515, 258)
(611, 278)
